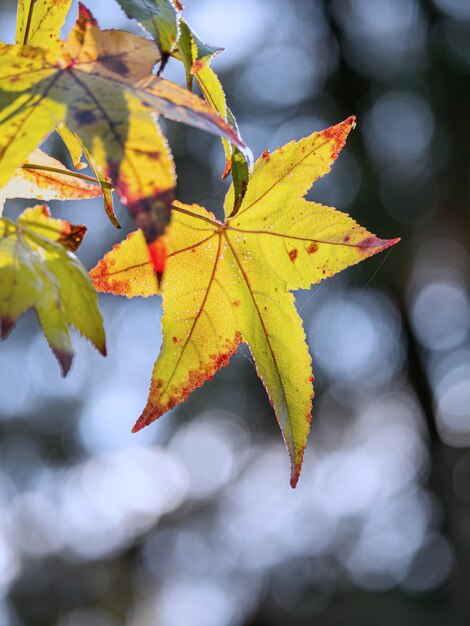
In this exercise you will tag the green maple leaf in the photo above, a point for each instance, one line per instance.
(38, 269)
(158, 17)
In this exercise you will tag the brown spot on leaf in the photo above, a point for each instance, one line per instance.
(236, 303)
(346, 238)
(72, 236)
(227, 169)
(113, 64)
(293, 254)
(312, 247)
(176, 340)
(84, 118)
(265, 155)
(197, 66)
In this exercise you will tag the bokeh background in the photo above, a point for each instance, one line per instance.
(192, 522)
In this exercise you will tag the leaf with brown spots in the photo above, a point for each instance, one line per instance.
(44, 178)
(39, 270)
(101, 85)
(38, 22)
(231, 282)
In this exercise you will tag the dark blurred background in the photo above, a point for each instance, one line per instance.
(192, 522)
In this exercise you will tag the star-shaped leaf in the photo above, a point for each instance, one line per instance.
(38, 269)
(231, 282)
(101, 86)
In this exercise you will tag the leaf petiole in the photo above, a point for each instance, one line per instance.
(57, 170)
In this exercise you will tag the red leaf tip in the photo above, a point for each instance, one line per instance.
(65, 360)
(372, 245)
(158, 254)
(337, 134)
(85, 15)
(295, 473)
(6, 325)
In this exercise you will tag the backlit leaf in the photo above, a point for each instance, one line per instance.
(73, 146)
(38, 22)
(196, 56)
(101, 86)
(40, 177)
(193, 52)
(106, 190)
(38, 269)
(231, 282)
(160, 18)
(77, 151)
(115, 273)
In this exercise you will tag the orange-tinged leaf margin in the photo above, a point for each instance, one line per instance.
(365, 244)
(196, 379)
(127, 269)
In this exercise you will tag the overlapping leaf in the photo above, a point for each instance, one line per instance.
(38, 22)
(231, 282)
(38, 269)
(159, 17)
(41, 177)
(196, 56)
(100, 84)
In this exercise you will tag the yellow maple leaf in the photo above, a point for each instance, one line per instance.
(45, 178)
(228, 282)
(101, 85)
(38, 22)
